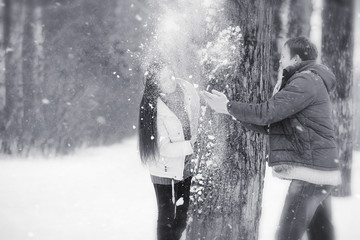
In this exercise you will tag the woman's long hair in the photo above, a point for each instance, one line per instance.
(148, 137)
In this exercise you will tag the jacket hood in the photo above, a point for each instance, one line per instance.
(324, 72)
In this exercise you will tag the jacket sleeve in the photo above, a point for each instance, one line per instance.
(294, 97)
(168, 148)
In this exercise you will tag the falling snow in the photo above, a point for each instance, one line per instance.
(138, 17)
(45, 101)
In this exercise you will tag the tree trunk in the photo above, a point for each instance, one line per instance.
(28, 56)
(8, 74)
(299, 18)
(38, 74)
(5, 29)
(13, 111)
(356, 88)
(227, 190)
(279, 35)
(338, 56)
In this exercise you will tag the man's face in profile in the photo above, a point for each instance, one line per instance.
(286, 60)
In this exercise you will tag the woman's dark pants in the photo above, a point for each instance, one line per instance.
(172, 219)
(307, 208)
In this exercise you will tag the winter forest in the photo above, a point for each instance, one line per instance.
(71, 80)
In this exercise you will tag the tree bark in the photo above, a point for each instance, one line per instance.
(227, 190)
(337, 42)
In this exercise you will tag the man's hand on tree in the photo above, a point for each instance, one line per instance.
(216, 100)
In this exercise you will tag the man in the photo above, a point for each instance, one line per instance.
(302, 139)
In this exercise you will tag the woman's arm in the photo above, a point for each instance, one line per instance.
(168, 148)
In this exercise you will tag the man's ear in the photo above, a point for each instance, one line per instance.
(297, 58)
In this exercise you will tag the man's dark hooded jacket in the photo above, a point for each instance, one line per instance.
(301, 127)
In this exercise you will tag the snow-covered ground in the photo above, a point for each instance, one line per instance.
(105, 193)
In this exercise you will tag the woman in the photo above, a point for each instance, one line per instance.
(168, 122)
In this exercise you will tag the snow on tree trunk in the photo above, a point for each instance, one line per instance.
(227, 189)
(338, 56)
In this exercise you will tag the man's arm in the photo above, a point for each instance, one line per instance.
(295, 97)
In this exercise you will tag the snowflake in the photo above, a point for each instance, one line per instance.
(45, 101)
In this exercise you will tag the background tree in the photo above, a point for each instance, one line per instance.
(70, 78)
(337, 49)
(279, 32)
(299, 18)
(356, 85)
(12, 113)
(28, 55)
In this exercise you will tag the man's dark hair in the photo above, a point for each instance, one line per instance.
(302, 47)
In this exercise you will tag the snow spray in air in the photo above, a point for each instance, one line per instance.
(196, 41)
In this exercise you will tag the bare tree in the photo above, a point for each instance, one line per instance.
(337, 42)
(356, 88)
(28, 76)
(12, 45)
(299, 18)
(8, 83)
(66, 78)
(279, 35)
